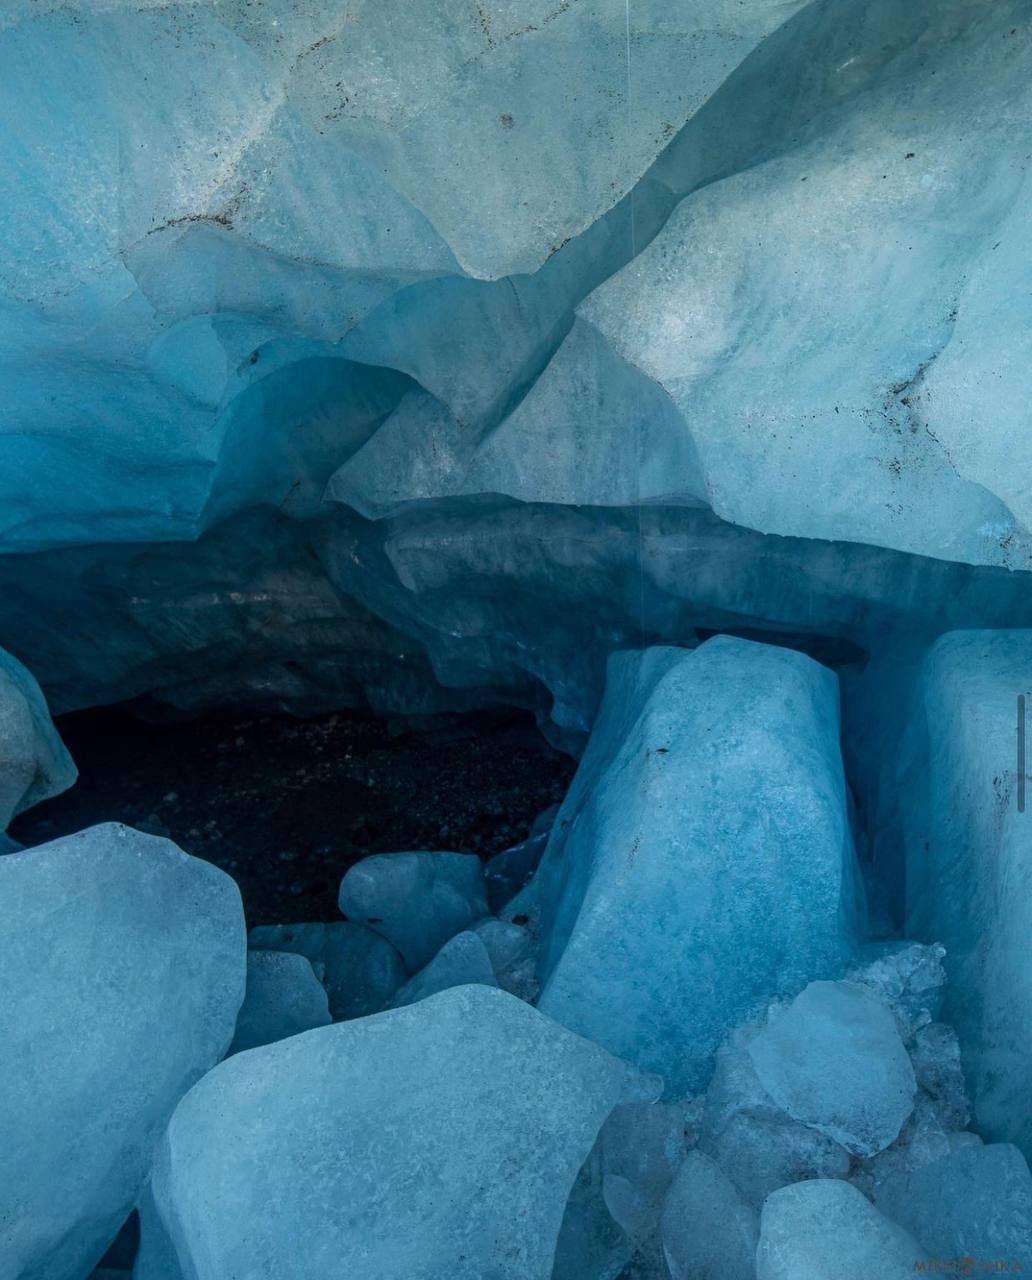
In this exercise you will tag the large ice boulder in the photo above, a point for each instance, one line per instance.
(122, 963)
(702, 862)
(34, 764)
(417, 901)
(827, 1228)
(441, 1139)
(968, 860)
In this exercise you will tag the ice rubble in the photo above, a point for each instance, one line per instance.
(417, 901)
(122, 970)
(360, 970)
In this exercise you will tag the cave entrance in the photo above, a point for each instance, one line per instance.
(286, 805)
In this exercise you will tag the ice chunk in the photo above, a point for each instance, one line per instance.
(122, 963)
(34, 764)
(833, 1059)
(642, 1146)
(513, 956)
(361, 969)
(441, 1139)
(909, 975)
(969, 860)
(827, 1228)
(507, 872)
(753, 1140)
(709, 1232)
(702, 861)
(975, 1202)
(415, 900)
(935, 1057)
(461, 961)
(283, 998)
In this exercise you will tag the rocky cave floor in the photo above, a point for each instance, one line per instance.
(286, 805)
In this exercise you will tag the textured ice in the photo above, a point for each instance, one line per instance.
(976, 1202)
(702, 861)
(513, 956)
(874, 357)
(757, 1144)
(283, 998)
(372, 1154)
(827, 1228)
(34, 764)
(417, 901)
(360, 969)
(122, 968)
(969, 862)
(709, 1232)
(462, 960)
(833, 1059)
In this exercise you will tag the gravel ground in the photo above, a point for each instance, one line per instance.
(286, 806)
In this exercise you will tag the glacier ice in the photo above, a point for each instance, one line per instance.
(975, 1202)
(34, 764)
(361, 970)
(417, 901)
(122, 966)
(826, 1227)
(283, 997)
(438, 1139)
(833, 1059)
(423, 357)
(709, 1232)
(462, 961)
(702, 861)
(968, 862)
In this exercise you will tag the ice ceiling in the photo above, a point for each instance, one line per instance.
(421, 354)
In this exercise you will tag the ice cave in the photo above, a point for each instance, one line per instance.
(515, 632)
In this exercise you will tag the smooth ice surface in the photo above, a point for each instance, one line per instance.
(34, 763)
(827, 1228)
(833, 1059)
(361, 970)
(462, 960)
(283, 998)
(709, 1232)
(975, 1202)
(702, 861)
(437, 1140)
(122, 969)
(417, 901)
(969, 860)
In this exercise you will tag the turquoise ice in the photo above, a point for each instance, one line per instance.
(122, 968)
(441, 1139)
(702, 862)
